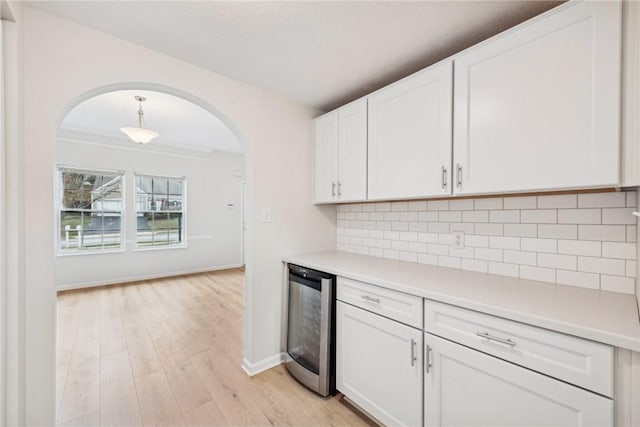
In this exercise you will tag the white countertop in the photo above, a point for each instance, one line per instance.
(606, 317)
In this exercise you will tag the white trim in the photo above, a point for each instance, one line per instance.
(96, 283)
(252, 369)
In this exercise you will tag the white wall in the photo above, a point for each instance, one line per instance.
(63, 61)
(213, 230)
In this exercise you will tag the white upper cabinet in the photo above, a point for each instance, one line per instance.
(352, 170)
(341, 155)
(326, 165)
(537, 108)
(410, 136)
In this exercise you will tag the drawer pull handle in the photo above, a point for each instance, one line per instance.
(506, 341)
(413, 352)
(371, 299)
(427, 363)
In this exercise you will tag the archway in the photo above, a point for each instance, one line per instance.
(100, 152)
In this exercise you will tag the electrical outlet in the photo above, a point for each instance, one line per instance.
(458, 239)
(266, 215)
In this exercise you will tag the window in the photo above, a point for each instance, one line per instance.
(160, 213)
(89, 210)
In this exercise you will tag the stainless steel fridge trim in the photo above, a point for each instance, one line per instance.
(319, 382)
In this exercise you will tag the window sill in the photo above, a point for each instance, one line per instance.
(90, 252)
(159, 248)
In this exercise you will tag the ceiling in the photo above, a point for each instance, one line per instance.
(319, 53)
(180, 123)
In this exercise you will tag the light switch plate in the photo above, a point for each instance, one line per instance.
(266, 215)
(458, 239)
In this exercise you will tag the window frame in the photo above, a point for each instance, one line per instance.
(59, 207)
(183, 243)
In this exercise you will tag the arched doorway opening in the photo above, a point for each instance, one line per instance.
(128, 212)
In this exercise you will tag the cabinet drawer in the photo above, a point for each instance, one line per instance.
(581, 362)
(394, 305)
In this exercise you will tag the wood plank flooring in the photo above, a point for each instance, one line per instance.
(167, 352)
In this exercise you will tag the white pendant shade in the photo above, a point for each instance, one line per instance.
(140, 135)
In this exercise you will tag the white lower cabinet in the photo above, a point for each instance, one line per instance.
(465, 387)
(379, 365)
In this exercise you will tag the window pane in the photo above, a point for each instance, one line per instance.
(175, 187)
(159, 204)
(99, 195)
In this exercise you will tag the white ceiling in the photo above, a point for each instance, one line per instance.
(319, 53)
(180, 123)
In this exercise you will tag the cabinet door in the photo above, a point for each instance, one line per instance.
(326, 161)
(378, 365)
(410, 136)
(352, 170)
(465, 387)
(537, 108)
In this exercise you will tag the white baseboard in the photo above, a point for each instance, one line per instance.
(102, 282)
(255, 368)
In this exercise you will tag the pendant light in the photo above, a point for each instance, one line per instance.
(140, 134)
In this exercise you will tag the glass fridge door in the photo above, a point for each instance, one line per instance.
(304, 323)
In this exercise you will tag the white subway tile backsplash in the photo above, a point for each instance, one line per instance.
(488, 204)
(449, 216)
(437, 249)
(475, 265)
(500, 242)
(618, 216)
(619, 250)
(631, 269)
(461, 253)
(448, 261)
(558, 231)
(489, 229)
(510, 216)
(579, 216)
(539, 245)
(438, 227)
(408, 256)
(567, 201)
(616, 267)
(631, 199)
(419, 205)
(586, 240)
(438, 205)
(520, 257)
(623, 285)
(462, 205)
(577, 278)
(408, 216)
(520, 202)
(538, 273)
(488, 254)
(428, 216)
(511, 270)
(612, 233)
(428, 259)
(561, 262)
(580, 247)
(475, 216)
(477, 241)
(399, 206)
(521, 230)
(602, 200)
(539, 216)
(383, 207)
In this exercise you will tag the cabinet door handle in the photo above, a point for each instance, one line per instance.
(489, 337)
(413, 352)
(444, 178)
(333, 189)
(339, 189)
(370, 299)
(458, 175)
(427, 360)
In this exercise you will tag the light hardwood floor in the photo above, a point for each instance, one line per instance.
(168, 352)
